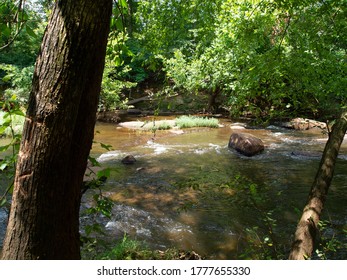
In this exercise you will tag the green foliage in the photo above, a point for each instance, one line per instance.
(164, 126)
(111, 96)
(259, 56)
(11, 123)
(122, 71)
(262, 241)
(181, 122)
(127, 249)
(21, 29)
(17, 80)
(330, 241)
(261, 236)
(155, 125)
(101, 204)
(267, 62)
(191, 121)
(267, 239)
(164, 26)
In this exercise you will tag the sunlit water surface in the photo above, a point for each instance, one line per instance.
(183, 191)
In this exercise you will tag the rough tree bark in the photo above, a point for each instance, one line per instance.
(306, 231)
(58, 133)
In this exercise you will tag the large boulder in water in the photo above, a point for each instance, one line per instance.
(246, 144)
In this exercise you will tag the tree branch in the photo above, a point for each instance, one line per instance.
(19, 22)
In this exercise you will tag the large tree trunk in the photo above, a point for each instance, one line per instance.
(58, 133)
(306, 231)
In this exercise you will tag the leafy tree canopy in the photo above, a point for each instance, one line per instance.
(267, 61)
(268, 58)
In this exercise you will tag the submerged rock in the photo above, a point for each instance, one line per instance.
(246, 144)
(129, 160)
(238, 126)
(306, 154)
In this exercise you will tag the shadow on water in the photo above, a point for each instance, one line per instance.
(175, 194)
(186, 191)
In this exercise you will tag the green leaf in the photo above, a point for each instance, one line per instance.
(3, 202)
(119, 24)
(105, 146)
(30, 32)
(6, 116)
(24, 15)
(104, 173)
(7, 78)
(117, 61)
(2, 130)
(5, 30)
(18, 113)
(113, 23)
(3, 166)
(93, 161)
(123, 3)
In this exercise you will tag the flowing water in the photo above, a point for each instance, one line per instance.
(184, 189)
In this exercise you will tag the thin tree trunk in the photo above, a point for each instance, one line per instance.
(58, 133)
(212, 100)
(306, 231)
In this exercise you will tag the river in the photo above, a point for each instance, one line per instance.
(191, 192)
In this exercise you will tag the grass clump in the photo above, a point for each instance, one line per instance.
(180, 122)
(164, 126)
(157, 125)
(129, 249)
(192, 121)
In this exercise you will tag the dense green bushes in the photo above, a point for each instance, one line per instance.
(271, 60)
(267, 58)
